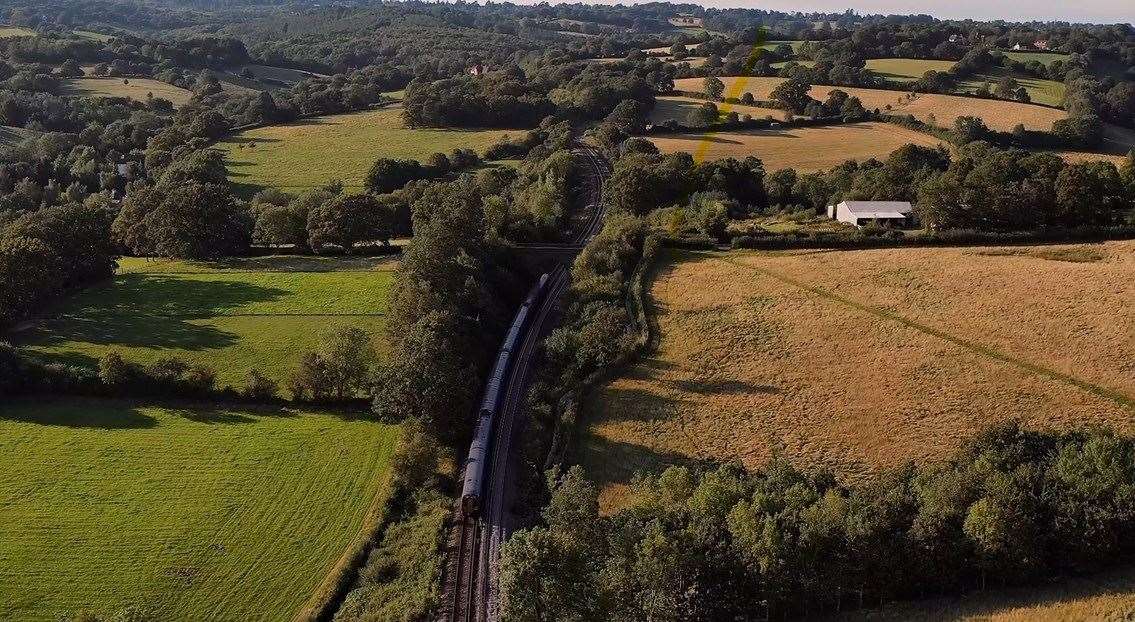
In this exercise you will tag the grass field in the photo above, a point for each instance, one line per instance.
(1108, 596)
(264, 77)
(194, 513)
(15, 31)
(668, 107)
(802, 148)
(301, 155)
(805, 63)
(262, 313)
(1048, 92)
(906, 69)
(92, 35)
(13, 135)
(999, 115)
(137, 88)
(860, 361)
(1045, 58)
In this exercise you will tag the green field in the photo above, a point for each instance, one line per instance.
(94, 36)
(1045, 58)
(1049, 92)
(134, 88)
(906, 69)
(262, 313)
(313, 152)
(193, 513)
(771, 45)
(13, 135)
(805, 63)
(15, 31)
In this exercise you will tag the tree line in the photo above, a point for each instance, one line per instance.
(1012, 506)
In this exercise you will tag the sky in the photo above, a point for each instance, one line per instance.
(1093, 11)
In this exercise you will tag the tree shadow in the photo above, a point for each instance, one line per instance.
(74, 414)
(154, 311)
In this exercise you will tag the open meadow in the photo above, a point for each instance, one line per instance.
(802, 148)
(997, 114)
(859, 361)
(134, 88)
(678, 108)
(189, 512)
(313, 152)
(234, 316)
(906, 69)
(15, 31)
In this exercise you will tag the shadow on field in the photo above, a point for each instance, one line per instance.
(617, 462)
(140, 310)
(70, 415)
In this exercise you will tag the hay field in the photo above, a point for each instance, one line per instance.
(802, 148)
(313, 152)
(236, 315)
(999, 115)
(906, 69)
(192, 512)
(668, 107)
(136, 88)
(859, 361)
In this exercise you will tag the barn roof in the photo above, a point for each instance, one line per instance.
(878, 209)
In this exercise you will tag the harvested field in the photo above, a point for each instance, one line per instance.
(859, 361)
(191, 512)
(999, 115)
(234, 316)
(313, 152)
(906, 69)
(134, 88)
(802, 148)
(668, 107)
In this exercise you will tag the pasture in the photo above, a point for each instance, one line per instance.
(1044, 58)
(668, 107)
(999, 115)
(859, 361)
(134, 88)
(906, 69)
(190, 512)
(234, 316)
(313, 152)
(15, 31)
(802, 148)
(14, 135)
(1048, 92)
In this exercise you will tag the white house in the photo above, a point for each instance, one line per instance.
(860, 213)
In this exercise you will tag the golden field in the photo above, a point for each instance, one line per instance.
(802, 148)
(860, 361)
(997, 114)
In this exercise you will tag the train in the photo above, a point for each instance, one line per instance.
(480, 449)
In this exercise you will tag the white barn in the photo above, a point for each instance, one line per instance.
(860, 213)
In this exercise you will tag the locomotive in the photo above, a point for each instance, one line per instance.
(476, 464)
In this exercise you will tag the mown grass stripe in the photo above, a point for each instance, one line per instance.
(978, 348)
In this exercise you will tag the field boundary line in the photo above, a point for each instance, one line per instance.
(978, 348)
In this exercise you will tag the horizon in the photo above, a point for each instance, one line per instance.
(1103, 12)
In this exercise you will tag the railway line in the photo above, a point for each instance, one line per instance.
(483, 520)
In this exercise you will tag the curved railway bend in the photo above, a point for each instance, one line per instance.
(470, 588)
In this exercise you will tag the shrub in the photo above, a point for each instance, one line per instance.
(257, 386)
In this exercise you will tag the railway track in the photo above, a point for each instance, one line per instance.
(472, 594)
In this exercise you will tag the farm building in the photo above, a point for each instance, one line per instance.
(860, 213)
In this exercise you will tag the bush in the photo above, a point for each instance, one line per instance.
(257, 386)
